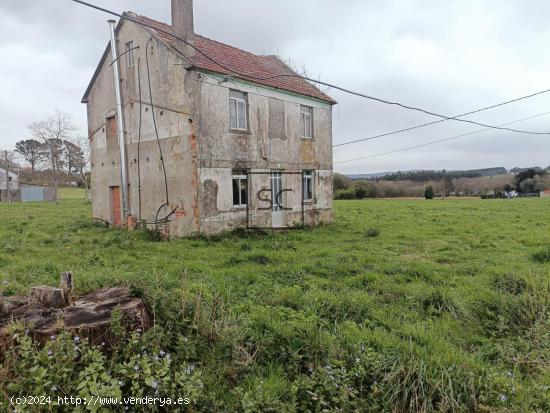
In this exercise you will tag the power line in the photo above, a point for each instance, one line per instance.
(319, 82)
(439, 121)
(408, 148)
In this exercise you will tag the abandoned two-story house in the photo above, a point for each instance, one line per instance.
(200, 137)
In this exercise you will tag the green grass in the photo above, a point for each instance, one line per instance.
(433, 305)
(71, 193)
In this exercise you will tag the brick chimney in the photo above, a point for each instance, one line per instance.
(182, 18)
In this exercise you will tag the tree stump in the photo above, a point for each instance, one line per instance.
(89, 317)
(66, 284)
(10, 304)
(46, 297)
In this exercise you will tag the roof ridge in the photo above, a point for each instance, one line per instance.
(148, 18)
(230, 46)
(204, 37)
(242, 63)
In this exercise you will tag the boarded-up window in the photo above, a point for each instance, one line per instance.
(111, 132)
(276, 119)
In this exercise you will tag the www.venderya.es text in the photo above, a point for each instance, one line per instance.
(97, 401)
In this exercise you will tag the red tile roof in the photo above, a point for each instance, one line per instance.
(260, 69)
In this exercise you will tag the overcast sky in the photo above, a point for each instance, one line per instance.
(448, 56)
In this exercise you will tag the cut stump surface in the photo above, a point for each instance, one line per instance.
(90, 316)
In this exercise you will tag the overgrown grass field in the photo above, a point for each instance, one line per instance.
(405, 305)
(71, 193)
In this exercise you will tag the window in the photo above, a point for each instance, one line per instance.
(240, 189)
(308, 183)
(129, 54)
(237, 110)
(306, 121)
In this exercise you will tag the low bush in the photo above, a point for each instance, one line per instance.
(429, 192)
(261, 259)
(437, 303)
(542, 256)
(509, 283)
(372, 233)
(70, 366)
(345, 194)
(512, 315)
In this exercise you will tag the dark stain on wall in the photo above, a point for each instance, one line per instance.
(210, 198)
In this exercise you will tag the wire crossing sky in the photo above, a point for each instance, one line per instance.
(445, 56)
(422, 145)
(443, 120)
(251, 75)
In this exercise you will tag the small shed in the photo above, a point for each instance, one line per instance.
(13, 180)
(545, 193)
(38, 194)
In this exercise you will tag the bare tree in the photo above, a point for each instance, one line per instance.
(74, 156)
(11, 161)
(83, 162)
(56, 152)
(300, 70)
(52, 132)
(447, 186)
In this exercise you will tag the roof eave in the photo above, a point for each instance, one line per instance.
(100, 65)
(329, 100)
(85, 99)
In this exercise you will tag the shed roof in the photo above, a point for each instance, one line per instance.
(12, 174)
(263, 70)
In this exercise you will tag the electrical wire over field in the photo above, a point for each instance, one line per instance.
(250, 76)
(443, 120)
(408, 148)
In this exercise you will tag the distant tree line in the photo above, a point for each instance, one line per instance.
(435, 175)
(532, 180)
(54, 153)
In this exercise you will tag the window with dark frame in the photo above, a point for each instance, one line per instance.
(306, 121)
(129, 54)
(240, 189)
(308, 178)
(238, 110)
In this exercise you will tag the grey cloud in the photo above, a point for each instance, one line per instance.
(450, 57)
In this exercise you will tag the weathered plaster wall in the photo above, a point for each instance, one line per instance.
(172, 88)
(273, 142)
